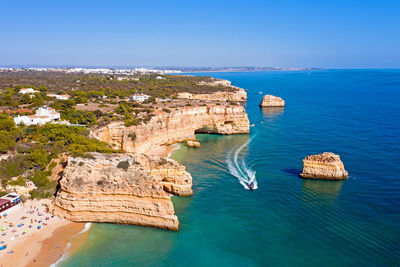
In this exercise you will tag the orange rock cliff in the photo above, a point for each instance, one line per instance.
(122, 188)
(178, 126)
(134, 188)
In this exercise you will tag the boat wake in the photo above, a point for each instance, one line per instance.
(238, 167)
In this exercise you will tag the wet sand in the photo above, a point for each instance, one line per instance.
(161, 151)
(55, 246)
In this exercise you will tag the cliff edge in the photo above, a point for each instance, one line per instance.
(239, 96)
(122, 188)
(179, 125)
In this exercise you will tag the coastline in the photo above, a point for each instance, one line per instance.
(72, 236)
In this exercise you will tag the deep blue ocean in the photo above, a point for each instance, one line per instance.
(287, 221)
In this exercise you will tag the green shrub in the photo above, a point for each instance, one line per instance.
(123, 165)
(20, 181)
(38, 158)
(38, 194)
(13, 166)
(52, 165)
(132, 136)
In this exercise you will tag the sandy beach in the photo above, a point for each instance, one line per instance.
(162, 151)
(33, 236)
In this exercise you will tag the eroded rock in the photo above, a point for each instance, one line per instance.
(239, 95)
(324, 166)
(122, 188)
(272, 101)
(178, 126)
(193, 144)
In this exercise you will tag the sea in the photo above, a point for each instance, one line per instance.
(287, 220)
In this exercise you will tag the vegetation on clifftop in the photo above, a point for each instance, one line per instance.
(32, 148)
(90, 86)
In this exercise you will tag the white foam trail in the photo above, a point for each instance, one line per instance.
(65, 255)
(241, 171)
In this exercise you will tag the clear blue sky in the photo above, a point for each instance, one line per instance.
(338, 34)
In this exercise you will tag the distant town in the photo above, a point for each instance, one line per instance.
(143, 70)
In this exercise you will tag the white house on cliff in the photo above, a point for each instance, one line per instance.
(43, 115)
(59, 97)
(29, 91)
(139, 97)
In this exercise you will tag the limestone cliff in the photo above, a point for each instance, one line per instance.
(122, 188)
(177, 126)
(272, 101)
(239, 95)
(324, 166)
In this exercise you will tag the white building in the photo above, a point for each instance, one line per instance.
(59, 97)
(32, 120)
(43, 115)
(139, 97)
(30, 91)
(47, 111)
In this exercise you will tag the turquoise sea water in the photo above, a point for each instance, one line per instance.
(287, 220)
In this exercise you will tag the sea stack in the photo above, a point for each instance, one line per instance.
(326, 166)
(193, 144)
(272, 101)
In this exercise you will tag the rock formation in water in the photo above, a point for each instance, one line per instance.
(177, 126)
(239, 95)
(324, 166)
(122, 188)
(272, 101)
(193, 144)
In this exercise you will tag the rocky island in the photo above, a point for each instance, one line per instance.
(324, 166)
(272, 101)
